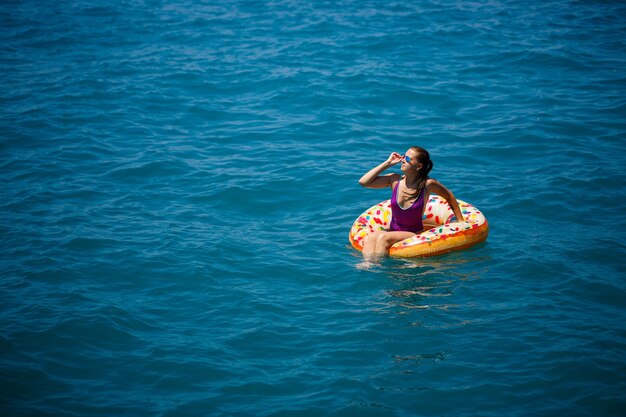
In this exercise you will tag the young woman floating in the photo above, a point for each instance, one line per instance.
(410, 193)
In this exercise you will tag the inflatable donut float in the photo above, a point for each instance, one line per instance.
(446, 236)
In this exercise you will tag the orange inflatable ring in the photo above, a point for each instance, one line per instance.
(446, 236)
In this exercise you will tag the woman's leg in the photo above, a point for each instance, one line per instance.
(369, 243)
(386, 239)
(378, 242)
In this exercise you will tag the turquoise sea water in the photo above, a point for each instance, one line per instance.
(179, 179)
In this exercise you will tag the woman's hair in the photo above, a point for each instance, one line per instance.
(423, 157)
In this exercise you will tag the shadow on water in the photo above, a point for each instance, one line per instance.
(428, 283)
(424, 316)
(423, 283)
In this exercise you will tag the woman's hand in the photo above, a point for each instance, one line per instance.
(394, 158)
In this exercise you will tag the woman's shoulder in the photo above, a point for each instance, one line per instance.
(395, 177)
(431, 181)
(433, 186)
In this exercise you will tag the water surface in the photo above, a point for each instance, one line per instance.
(179, 180)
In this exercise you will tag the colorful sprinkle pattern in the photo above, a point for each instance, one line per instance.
(447, 236)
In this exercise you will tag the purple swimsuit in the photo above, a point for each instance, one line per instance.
(406, 220)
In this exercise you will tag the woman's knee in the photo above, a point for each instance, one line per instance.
(371, 239)
(382, 237)
(383, 241)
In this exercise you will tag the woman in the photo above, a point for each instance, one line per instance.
(410, 192)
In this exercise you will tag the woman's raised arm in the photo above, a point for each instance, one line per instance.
(373, 179)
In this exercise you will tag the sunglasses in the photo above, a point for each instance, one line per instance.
(407, 158)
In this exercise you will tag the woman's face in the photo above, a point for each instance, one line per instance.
(410, 162)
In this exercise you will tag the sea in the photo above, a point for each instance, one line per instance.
(178, 180)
